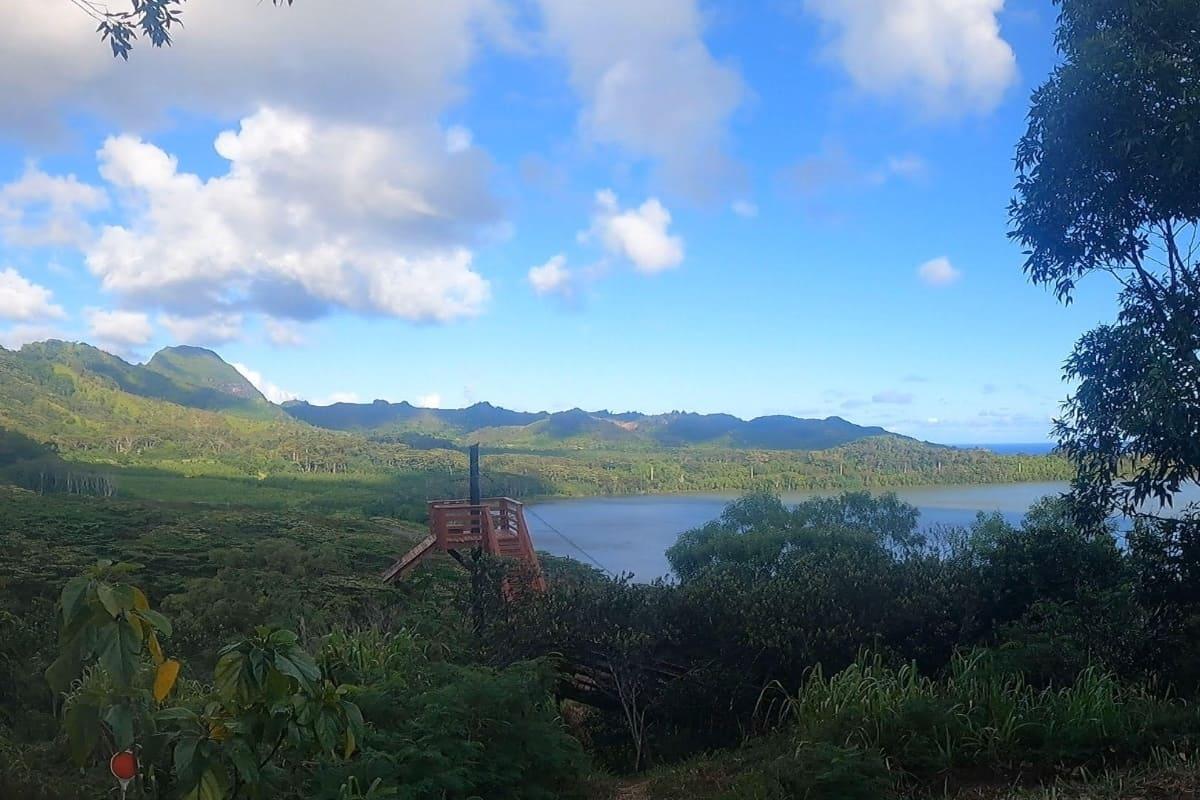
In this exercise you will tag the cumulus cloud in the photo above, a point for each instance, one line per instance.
(308, 218)
(24, 301)
(432, 400)
(216, 328)
(938, 272)
(232, 55)
(553, 277)
(119, 330)
(283, 333)
(638, 235)
(269, 390)
(650, 85)
(458, 139)
(947, 56)
(42, 209)
(17, 336)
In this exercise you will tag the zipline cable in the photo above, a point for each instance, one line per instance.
(568, 540)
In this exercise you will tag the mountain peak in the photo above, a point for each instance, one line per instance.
(200, 367)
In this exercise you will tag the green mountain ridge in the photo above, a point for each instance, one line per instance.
(187, 376)
(69, 410)
(500, 428)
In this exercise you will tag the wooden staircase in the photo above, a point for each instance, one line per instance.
(495, 526)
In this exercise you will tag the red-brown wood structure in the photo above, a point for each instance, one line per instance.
(495, 526)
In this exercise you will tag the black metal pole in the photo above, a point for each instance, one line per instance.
(476, 495)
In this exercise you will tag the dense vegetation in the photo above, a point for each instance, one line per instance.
(195, 575)
(853, 654)
(189, 413)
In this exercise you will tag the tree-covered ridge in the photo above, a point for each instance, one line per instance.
(80, 401)
(501, 428)
(187, 376)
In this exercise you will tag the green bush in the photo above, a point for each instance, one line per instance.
(817, 771)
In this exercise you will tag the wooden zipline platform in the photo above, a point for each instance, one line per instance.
(495, 526)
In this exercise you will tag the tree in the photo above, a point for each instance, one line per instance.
(154, 18)
(270, 705)
(1109, 182)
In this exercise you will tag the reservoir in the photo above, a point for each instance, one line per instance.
(631, 534)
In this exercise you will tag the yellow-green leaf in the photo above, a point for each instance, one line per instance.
(350, 744)
(139, 599)
(164, 679)
(155, 650)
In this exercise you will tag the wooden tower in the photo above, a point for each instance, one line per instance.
(494, 525)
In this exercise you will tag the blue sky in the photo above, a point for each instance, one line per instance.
(753, 207)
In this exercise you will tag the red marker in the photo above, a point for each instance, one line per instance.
(124, 767)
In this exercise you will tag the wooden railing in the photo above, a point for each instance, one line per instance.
(496, 526)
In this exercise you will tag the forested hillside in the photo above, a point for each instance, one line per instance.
(189, 412)
(539, 431)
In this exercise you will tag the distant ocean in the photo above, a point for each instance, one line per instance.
(1022, 449)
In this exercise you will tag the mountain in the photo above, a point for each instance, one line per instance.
(74, 418)
(188, 376)
(196, 378)
(501, 428)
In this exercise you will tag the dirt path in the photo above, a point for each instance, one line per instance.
(631, 790)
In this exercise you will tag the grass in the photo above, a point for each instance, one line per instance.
(875, 731)
(717, 776)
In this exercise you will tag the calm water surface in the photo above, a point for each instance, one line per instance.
(631, 534)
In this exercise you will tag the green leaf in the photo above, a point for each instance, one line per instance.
(116, 598)
(179, 715)
(185, 756)
(119, 719)
(327, 732)
(245, 761)
(299, 665)
(82, 722)
(211, 786)
(161, 623)
(229, 675)
(108, 598)
(74, 598)
(117, 647)
(64, 670)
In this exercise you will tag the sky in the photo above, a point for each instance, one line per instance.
(744, 206)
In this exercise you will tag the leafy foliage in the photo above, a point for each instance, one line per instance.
(1107, 182)
(154, 19)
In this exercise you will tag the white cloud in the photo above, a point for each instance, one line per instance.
(458, 139)
(269, 390)
(553, 277)
(335, 60)
(650, 85)
(119, 330)
(433, 400)
(283, 333)
(938, 272)
(638, 235)
(216, 328)
(745, 209)
(948, 56)
(23, 301)
(41, 209)
(19, 335)
(309, 217)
